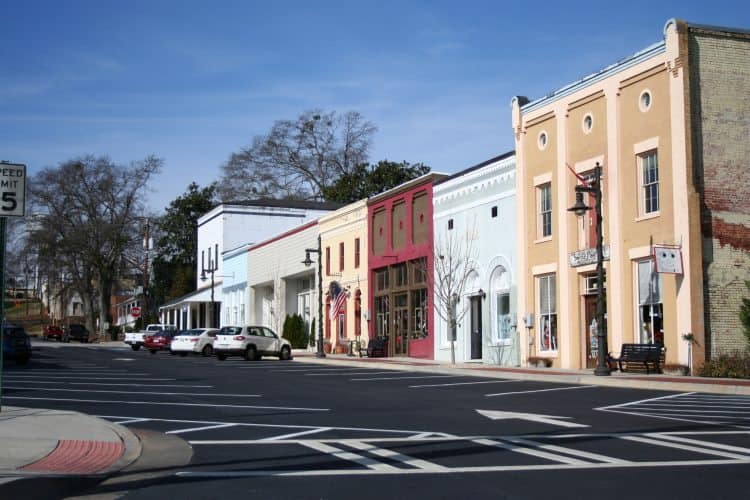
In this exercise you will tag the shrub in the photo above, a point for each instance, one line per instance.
(313, 334)
(736, 365)
(745, 315)
(294, 331)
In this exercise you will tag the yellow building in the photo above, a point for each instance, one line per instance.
(343, 235)
(645, 120)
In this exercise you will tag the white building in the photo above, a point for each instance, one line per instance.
(223, 232)
(478, 205)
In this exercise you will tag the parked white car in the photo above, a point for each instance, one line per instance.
(197, 340)
(250, 342)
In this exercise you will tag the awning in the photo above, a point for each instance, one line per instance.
(203, 295)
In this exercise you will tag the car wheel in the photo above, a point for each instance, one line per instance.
(152, 351)
(250, 353)
(285, 354)
(221, 357)
(135, 347)
(183, 354)
(207, 350)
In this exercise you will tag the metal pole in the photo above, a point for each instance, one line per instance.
(320, 353)
(602, 365)
(3, 223)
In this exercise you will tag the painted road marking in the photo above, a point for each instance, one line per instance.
(568, 451)
(404, 378)
(347, 455)
(541, 390)
(63, 377)
(464, 383)
(686, 447)
(394, 455)
(532, 417)
(140, 392)
(297, 434)
(162, 403)
(348, 374)
(197, 429)
(111, 384)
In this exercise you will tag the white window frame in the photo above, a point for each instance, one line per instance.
(651, 299)
(548, 315)
(648, 185)
(544, 210)
(501, 323)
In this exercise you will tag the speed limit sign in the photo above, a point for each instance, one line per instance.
(12, 190)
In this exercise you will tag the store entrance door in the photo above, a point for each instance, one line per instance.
(591, 345)
(476, 327)
(400, 325)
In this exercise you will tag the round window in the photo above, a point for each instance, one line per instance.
(645, 100)
(542, 140)
(588, 123)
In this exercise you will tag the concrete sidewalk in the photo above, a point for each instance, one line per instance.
(37, 442)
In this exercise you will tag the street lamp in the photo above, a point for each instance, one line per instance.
(580, 209)
(213, 266)
(308, 262)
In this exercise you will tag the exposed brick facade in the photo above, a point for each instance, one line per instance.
(719, 68)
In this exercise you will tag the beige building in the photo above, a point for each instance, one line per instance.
(343, 235)
(669, 127)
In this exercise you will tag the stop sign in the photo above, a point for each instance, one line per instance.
(135, 311)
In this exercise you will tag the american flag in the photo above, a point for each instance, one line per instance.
(338, 299)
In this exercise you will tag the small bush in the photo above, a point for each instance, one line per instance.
(736, 365)
(294, 331)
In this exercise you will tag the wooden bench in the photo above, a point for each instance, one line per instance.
(647, 356)
(377, 348)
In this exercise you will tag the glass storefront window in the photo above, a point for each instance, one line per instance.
(419, 313)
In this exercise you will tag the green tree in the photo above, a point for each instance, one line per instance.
(174, 265)
(745, 315)
(368, 180)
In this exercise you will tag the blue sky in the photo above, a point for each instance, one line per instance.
(192, 82)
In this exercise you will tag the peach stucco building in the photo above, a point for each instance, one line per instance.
(660, 123)
(343, 236)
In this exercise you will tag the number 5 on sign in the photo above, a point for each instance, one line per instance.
(12, 190)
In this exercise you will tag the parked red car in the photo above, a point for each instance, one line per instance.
(52, 332)
(159, 341)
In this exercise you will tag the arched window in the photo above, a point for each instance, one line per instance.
(500, 307)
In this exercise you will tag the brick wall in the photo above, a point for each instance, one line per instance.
(719, 68)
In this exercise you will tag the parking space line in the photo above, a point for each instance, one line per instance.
(394, 455)
(568, 451)
(63, 377)
(464, 383)
(530, 451)
(347, 374)
(163, 403)
(403, 378)
(541, 390)
(139, 392)
(132, 421)
(108, 384)
(347, 455)
(666, 444)
(297, 434)
(203, 428)
(701, 443)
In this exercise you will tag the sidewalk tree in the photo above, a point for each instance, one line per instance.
(88, 211)
(298, 159)
(368, 180)
(454, 259)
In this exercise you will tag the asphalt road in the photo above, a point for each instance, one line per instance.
(271, 429)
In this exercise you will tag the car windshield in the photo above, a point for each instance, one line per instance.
(230, 330)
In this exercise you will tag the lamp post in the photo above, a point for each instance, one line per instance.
(213, 266)
(308, 262)
(580, 209)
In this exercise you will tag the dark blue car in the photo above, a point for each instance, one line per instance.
(16, 344)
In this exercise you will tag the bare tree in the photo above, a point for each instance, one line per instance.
(88, 219)
(298, 158)
(455, 253)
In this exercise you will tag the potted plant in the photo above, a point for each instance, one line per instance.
(539, 362)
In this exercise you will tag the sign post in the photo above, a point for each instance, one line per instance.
(12, 204)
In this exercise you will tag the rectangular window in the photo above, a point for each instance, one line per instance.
(382, 316)
(381, 279)
(341, 256)
(494, 212)
(649, 182)
(650, 310)
(547, 313)
(502, 306)
(328, 261)
(450, 224)
(356, 252)
(419, 313)
(545, 210)
(401, 277)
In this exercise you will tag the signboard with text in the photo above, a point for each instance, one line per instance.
(12, 190)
